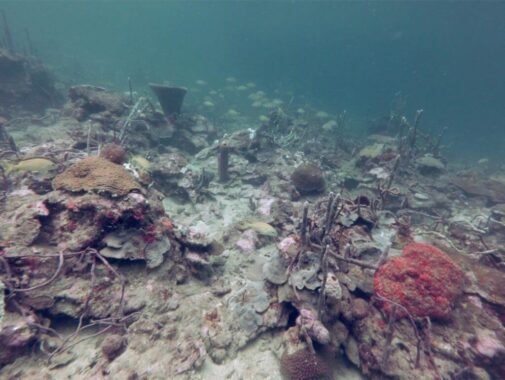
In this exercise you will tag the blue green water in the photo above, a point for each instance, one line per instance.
(447, 58)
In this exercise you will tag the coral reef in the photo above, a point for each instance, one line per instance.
(151, 267)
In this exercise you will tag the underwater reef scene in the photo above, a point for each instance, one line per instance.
(189, 230)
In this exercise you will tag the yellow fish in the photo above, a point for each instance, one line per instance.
(261, 228)
(42, 165)
(140, 162)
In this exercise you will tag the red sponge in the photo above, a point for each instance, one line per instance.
(424, 280)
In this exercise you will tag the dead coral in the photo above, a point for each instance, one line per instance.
(96, 174)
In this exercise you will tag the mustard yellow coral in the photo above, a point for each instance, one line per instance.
(96, 174)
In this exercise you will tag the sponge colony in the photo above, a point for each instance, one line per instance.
(308, 179)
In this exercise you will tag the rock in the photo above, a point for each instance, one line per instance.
(247, 241)
(25, 84)
(15, 339)
(20, 222)
(265, 206)
(134, 300)
(189, 142)
(498, 212)
(248, 320)
(306, 277)
(132, 245)
(308, 179)
(424, 280)
(199, 235)
(490, 188)
(113, 345)
(254, 178)
(288, 246)
(275, 270)
(62, 359)
(359, 308)
(256, 296)
(339, 332)
(201, 267)
(168, 167)
(429, 165)
(314, 328)
(86, 100)
(352, 352)
(333, 290)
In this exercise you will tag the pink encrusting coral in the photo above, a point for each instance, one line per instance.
(424, 280)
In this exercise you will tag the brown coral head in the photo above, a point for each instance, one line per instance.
(114, 153)
(304, 365)
(98, 175)
(308, 179)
